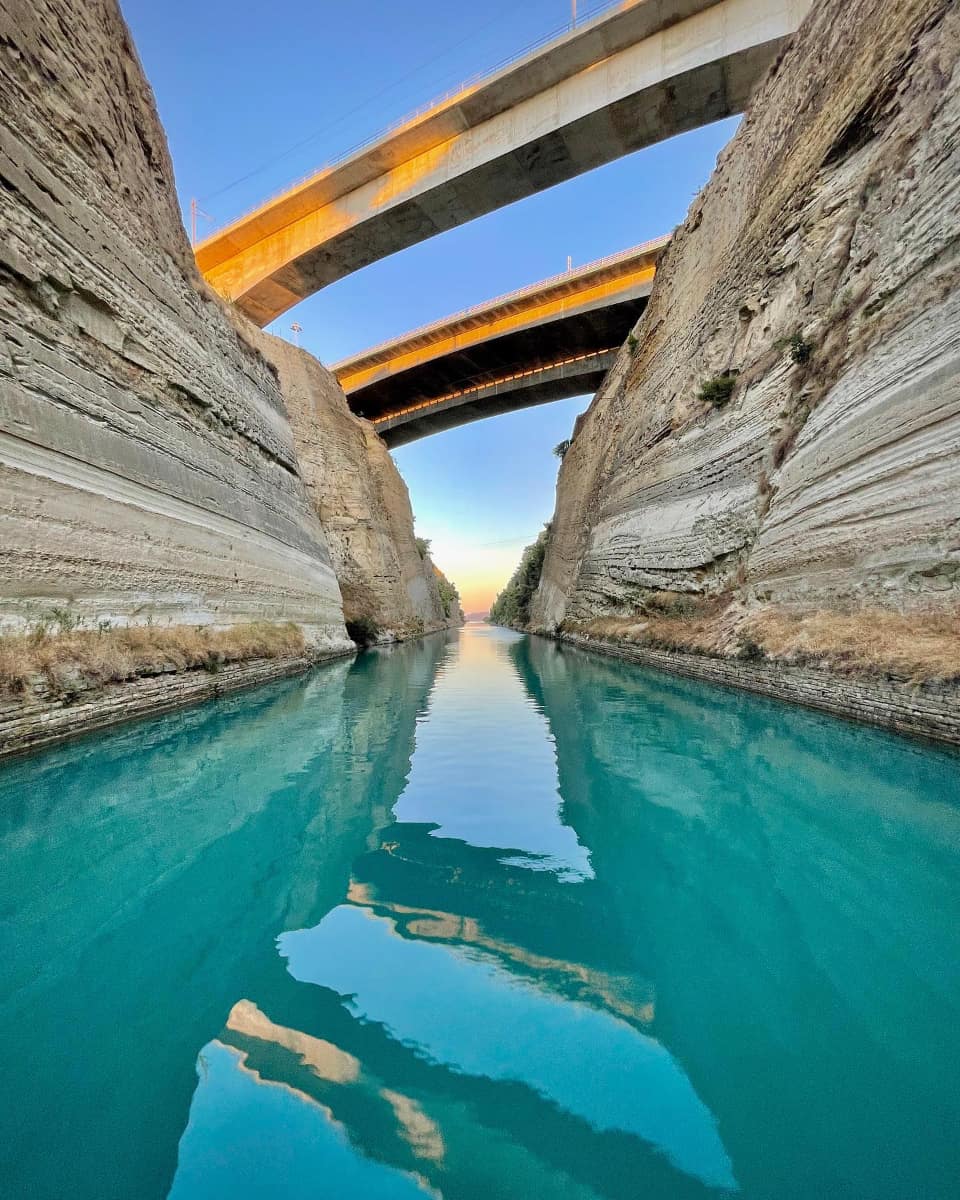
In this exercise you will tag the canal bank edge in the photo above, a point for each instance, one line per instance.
(30, 725)
(916, 711)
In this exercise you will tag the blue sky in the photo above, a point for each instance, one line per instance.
(254, 96)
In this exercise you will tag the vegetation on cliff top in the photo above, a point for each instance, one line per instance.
(512, 606)
(67, 660)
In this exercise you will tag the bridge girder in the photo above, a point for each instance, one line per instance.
(633, 76)
(546, 342)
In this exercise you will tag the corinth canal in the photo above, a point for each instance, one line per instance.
(481, 916)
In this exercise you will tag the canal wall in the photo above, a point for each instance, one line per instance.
(149, 470)
(920, 711)
(781, 434)
(362, 501)
(42, 718)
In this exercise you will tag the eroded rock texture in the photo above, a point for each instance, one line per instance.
(362, 502)
(821, 264)
(147, 467)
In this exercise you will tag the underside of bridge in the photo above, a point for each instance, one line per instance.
(546, 342)
(579, 376)
(548, 362)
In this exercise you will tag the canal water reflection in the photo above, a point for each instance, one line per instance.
(481, 916)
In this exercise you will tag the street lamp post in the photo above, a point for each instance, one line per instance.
(296, 329)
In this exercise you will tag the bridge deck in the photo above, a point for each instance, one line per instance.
(631, 77)
(553, 339)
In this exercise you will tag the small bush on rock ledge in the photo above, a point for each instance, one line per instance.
(752, 651)
(718, 390)
(800, 351)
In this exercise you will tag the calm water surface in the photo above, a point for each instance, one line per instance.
(481, 917)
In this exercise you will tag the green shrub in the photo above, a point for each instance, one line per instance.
(561, 448)
(800, 351)
(449, 596)
(512, 606)
(633, 343)
(752, 651)
(718, 390)
(423, 546)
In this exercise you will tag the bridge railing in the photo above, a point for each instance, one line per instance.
(530, 289)
(387, 419)
(437, 102)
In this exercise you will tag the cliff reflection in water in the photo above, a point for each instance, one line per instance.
(144, 878)
(605, 934)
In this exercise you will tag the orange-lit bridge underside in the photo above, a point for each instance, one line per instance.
(547, 342)
(643, 71)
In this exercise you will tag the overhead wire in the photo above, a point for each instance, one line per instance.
(358, 108)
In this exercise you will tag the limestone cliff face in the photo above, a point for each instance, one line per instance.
(821, 266)
(362, 503)
(147, 467)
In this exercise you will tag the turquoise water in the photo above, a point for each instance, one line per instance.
(481, 917)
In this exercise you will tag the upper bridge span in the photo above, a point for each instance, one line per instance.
(640, 72)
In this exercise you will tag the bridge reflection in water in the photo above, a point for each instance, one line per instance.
(496, 918)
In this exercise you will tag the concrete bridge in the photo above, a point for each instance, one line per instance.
(641, 72)
(555, 339)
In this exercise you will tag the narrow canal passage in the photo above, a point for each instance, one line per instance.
(481, 917)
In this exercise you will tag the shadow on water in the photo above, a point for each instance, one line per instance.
(482, 917)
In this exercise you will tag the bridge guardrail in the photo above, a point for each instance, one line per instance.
(389, 418)
(518, 294)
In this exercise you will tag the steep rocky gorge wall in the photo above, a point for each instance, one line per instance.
(820, 266)
(148, 468)
(362, 503)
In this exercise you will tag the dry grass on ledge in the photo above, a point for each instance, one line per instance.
(920, 647)
(69, 662)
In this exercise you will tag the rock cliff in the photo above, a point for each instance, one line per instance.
(148, 468)
(783, 432)
(362, 503)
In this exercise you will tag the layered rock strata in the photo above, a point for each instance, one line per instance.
(147, 468)
(811, 294)
(362, 502)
